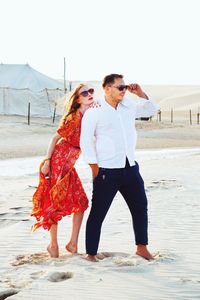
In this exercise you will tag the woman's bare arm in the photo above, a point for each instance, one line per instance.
(46, 167)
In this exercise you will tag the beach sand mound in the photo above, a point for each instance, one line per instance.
(181, 102)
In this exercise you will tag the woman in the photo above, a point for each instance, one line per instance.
(60, 191)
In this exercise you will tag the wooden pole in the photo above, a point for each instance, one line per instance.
(70, 86)
(159, 115)
(64, 76)
(4, 103)
(171, 115)
(48, 102)
(190, 117)
(29, 113)
(54, 113)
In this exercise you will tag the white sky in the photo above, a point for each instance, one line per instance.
(149, 41)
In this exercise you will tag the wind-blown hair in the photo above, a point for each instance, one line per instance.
(72, 104)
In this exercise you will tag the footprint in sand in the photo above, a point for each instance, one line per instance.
(119, 258)
(186, 280)
(163, 184)
(36, 258)
(37, 275)
(17, 208)
(103, 255)
(7, 222)
(14, 217)
(59, 276)
(125, 262)
(130, 260)
(32, 187)
(116, 232)
(3, 214)
(7, 293)
(20, 210)
(164, 255)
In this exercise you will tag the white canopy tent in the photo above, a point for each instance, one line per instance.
(21, 84)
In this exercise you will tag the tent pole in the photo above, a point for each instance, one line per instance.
(29, 112)
(4, 103)
(48, 102)
(54, 113)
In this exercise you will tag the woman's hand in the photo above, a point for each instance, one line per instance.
(46, 168)
(95, 104)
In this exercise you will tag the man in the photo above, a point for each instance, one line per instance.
(108, 139)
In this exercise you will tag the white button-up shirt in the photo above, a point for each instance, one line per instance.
(108, 135)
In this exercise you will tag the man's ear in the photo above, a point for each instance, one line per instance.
(107, 88)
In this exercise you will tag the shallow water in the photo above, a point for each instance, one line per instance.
(173, 191)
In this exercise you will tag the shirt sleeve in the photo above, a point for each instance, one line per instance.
(88, 127)
(145, 108)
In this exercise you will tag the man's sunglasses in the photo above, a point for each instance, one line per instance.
(86, 93)
(121, 87)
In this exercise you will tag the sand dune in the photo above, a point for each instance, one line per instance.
(177, 97)
(160, 92)
(182, 102)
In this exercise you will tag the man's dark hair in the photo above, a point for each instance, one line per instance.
(110, 79)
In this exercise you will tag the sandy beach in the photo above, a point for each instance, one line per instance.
(169, 158)
(118, 52)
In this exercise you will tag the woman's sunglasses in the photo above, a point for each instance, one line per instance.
(86, 93)
(121, 87)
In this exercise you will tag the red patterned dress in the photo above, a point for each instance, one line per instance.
(62, 194)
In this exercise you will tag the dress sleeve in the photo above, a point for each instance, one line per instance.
(66, 129)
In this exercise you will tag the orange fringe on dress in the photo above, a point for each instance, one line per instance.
(62, 194)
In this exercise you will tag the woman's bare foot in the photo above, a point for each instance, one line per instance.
(72, 248)
(144, 252)
(53, 251)
(91, 258)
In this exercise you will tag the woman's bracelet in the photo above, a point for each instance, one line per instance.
(48, 158)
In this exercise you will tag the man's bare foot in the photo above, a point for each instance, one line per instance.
(144, 252)
(91, 258)
(70, 247)
(53, 251)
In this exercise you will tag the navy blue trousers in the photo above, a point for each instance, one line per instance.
(108, 182)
